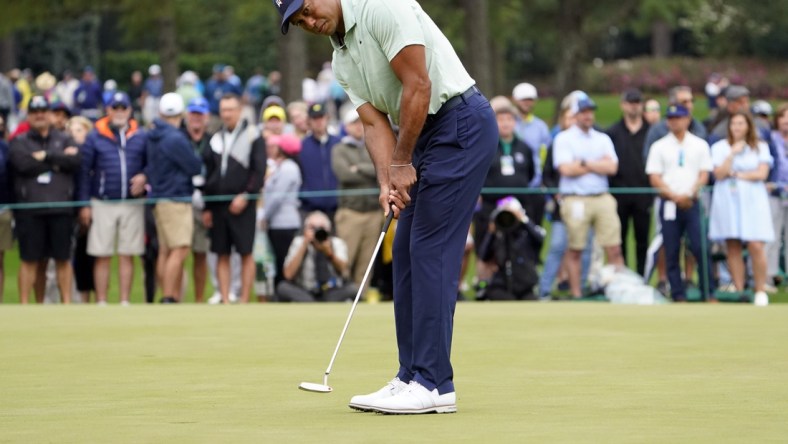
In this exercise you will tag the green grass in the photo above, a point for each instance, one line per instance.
(524, 373)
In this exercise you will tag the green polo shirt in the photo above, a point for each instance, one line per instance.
(375, 32)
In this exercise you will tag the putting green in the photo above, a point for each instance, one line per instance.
(526, 372)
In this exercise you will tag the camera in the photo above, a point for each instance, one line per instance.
(321, 235)
(505, 220)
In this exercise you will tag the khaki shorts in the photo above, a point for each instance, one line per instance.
(579, 213)
(200, 240)
(116, 223)
(6, 230)
(174, 224)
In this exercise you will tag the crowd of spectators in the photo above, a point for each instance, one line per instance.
(214, 167)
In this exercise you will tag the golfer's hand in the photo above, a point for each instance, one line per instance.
(238, 204)
(390, 201)
(400, 181)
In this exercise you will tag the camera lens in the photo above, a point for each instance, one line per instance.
(321, 235)
(505, 220)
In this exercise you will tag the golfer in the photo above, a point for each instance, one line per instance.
(394, 62)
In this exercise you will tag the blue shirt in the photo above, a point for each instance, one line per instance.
(575, 144)
(534, 132)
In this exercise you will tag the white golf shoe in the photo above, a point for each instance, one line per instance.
(416, 399)
(364, 402)
(761, 299)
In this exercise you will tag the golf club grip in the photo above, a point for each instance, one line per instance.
(389, 218)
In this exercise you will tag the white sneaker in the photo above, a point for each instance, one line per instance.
(363, 402)
(761, 299)
(216, 299)
(416, 399)
(769, 289)
(233, 298)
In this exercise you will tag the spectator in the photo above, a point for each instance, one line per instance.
(24, 84)
(628, 136)
(513, 243)
(235, 165)
(678, 167)
(78, 128)
(584, 158)
(66, 87)
(534, 132)
(358, 216)
(187, 87)
(197, 131)
(135, 94)
(779, 194)
(256, 89)
(555, 262)
(281, 217)
(152, 90)
(6, 219)
(171, 166)
(44, 162)
(274, 83)
(274, 119)
(6, 98)
(60, 114)
(762, 113)
(738, 98)
(110, 88)
(679, 95)
(315, 161)
(512, 167)
(652, 112)
(217, 87)
(87, 98)
(113, 159)
(229, 74)
(740, 205)
(315, 264)
(45, 84)
(297, 111)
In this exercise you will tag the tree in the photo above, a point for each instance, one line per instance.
(478, 57)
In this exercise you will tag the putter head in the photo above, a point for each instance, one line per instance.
(314, 387)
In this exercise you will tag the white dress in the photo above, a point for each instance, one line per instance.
(740, 208)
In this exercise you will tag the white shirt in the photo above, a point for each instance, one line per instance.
(679, 163)
(574, 144)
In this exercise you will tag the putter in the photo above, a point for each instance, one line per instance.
(324, 387)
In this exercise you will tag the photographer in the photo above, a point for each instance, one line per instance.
(512, 244)
(315, 265)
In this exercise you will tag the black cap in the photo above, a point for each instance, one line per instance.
(38, 103)
(632, 95)
(317, 110)
(286, 9)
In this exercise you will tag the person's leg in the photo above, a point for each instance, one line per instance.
(698, 244)
(672, 231)
(344, 293)
(641, 220)
(247, 277)
(607, 227)
(200, 273)
(773, 248)
(65, 276)
(625, 208)
(173, 270)
(758, 255)
(573, 268)
(735, 262)
(27, 279)
(41, 281)
(126, 276)
(287, 291)
(555, 254)
(223, 276)
(101, 278)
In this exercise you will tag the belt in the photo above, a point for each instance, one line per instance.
(453, 103)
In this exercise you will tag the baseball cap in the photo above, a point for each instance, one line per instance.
(286, 9)
(272, 100)
(274, 111)
(198, 105)
(585, 104)
(119, 98)
(154, 70)
(677, 111)
(38, 103)
(288, 143)
(762, 107)
(524, 91)
(58, 105)
(735, 92)
(171, 105)
(317, 110)
(632, 95)
(350, 116)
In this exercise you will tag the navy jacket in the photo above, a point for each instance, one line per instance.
(110, 160)
(317, 174)
(171, 162)
(6, 194)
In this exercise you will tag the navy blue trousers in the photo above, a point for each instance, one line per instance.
(451, 157)
(686, 222)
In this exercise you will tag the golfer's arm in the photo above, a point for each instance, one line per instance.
(410, 67)
(380, 140)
